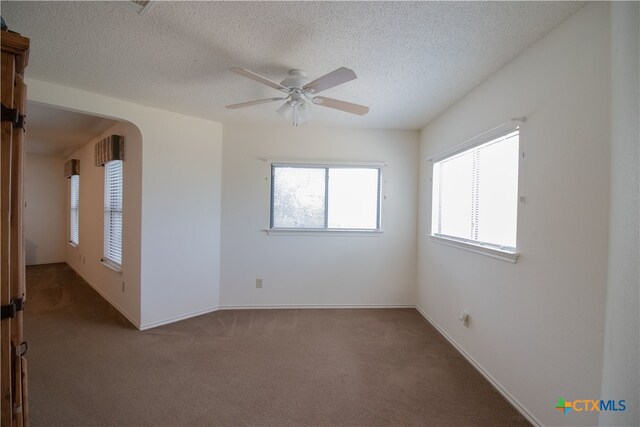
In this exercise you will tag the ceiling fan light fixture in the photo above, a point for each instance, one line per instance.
(301, 114)
(296, 111)
(285, 110)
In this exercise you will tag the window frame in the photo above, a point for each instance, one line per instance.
(74, 208)
(483, 248)
(107, 260)
(379, 166)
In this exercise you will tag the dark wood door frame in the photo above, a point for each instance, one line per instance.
(13, 364)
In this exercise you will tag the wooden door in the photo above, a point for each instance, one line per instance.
(13, 364)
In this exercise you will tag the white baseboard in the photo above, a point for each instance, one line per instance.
(310, 306)
(155, 324)
(512, 400)
(145, 326)
(106, 297)
(45, 263)
(150, 325)
(142, 326)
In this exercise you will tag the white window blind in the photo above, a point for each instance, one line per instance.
(113, 212)
(325, 197)
(74, 209)
(475, 194)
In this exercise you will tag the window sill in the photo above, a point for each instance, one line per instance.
(111, 265)
(73, 245)
(479, 249)
(319, 231)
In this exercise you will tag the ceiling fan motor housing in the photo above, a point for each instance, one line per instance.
(295, 80)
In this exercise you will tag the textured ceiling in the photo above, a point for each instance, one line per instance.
(56, 132)
(413, 59)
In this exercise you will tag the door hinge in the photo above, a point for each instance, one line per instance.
(13, 115)
(10, 310)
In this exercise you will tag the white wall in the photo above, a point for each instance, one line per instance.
(45, 195)
(85, 258)
(316, 270)
(181, 217)
(536, 326)
(621, 370)
(180, 206)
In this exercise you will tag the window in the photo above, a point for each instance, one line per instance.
(475, 194)
(113, 212)
(316, 197)
(74, 210)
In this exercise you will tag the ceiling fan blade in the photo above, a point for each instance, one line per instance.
(349, 107)
(334, 78)
(259, 78)
(250, 103)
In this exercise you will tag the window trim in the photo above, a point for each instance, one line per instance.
(111, 265)
(316, 231)
(482, 248)
(326, 165)
(496, 132)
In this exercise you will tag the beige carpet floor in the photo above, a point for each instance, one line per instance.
(89, 367)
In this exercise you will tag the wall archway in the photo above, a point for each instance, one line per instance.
(52, 124)
(180, 196)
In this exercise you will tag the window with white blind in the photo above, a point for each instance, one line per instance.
(475, 194)
(318, 197)
(113, 212)
(74, 209)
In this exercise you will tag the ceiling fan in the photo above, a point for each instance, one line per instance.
(301, 93)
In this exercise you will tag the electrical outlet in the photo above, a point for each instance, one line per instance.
(258, 283)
